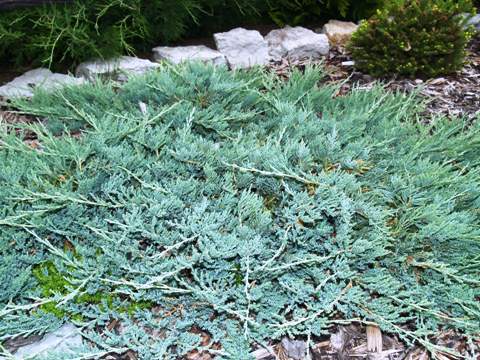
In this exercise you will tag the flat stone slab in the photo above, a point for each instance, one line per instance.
(339, 32)
(180, 54)
(242, 48)
(117, 69)
(296, 43)
(60, 341)
(24, 85)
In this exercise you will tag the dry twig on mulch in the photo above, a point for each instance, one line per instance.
(368, 342)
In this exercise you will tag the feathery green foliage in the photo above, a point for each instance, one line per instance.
(62, 35)
(237, 204)
(300, 11)
(54, 34)
(413, 38)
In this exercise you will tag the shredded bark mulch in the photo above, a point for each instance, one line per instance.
(455, 95)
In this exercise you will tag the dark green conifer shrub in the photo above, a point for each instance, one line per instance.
(412, 38)
(238, 204)
(311, 11)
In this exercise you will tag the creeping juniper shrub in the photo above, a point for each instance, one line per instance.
(422, 38)
(238, 204)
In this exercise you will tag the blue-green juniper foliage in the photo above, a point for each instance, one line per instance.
(239, 204)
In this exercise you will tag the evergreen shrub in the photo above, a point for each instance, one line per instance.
(311, 11)
(196, 199)
(56, 34)
(422, 38)
(62, 35)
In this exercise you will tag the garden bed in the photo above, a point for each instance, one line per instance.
(200, 211)
(454, 95)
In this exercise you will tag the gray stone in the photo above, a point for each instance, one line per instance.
(295, 43)
(116, 69)
(294, 349)
(179, 54)
(62, 340)
(339, 32)
(475, 21)
(242, 48)
(339, 340)
(470, 20)
(24, 85)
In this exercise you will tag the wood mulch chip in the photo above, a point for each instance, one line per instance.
(368, 342)
(456, 95)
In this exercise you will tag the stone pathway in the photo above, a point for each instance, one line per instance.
(238, 49)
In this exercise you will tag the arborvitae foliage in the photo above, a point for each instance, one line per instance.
(413, 38)
(238, 204)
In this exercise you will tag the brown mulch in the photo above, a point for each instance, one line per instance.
(344, 342)
(456, 95)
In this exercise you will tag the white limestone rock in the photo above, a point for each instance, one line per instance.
(242, 48)
(60, 341)
(339, 32)
(117, 69)
(180, 54)
(295, 43)
(474, 21)
(24, 85)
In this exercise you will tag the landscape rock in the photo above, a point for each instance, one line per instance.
(296, 43)
(242, 48)
(339, 340)
(294, 349)
(339, 32)
(61, 340)
(24, 85)
(116, 69)
(179, 54)
(475, 21)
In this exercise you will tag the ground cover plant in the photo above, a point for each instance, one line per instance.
(200, 200)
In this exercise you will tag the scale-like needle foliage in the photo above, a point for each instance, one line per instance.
(240, 205)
